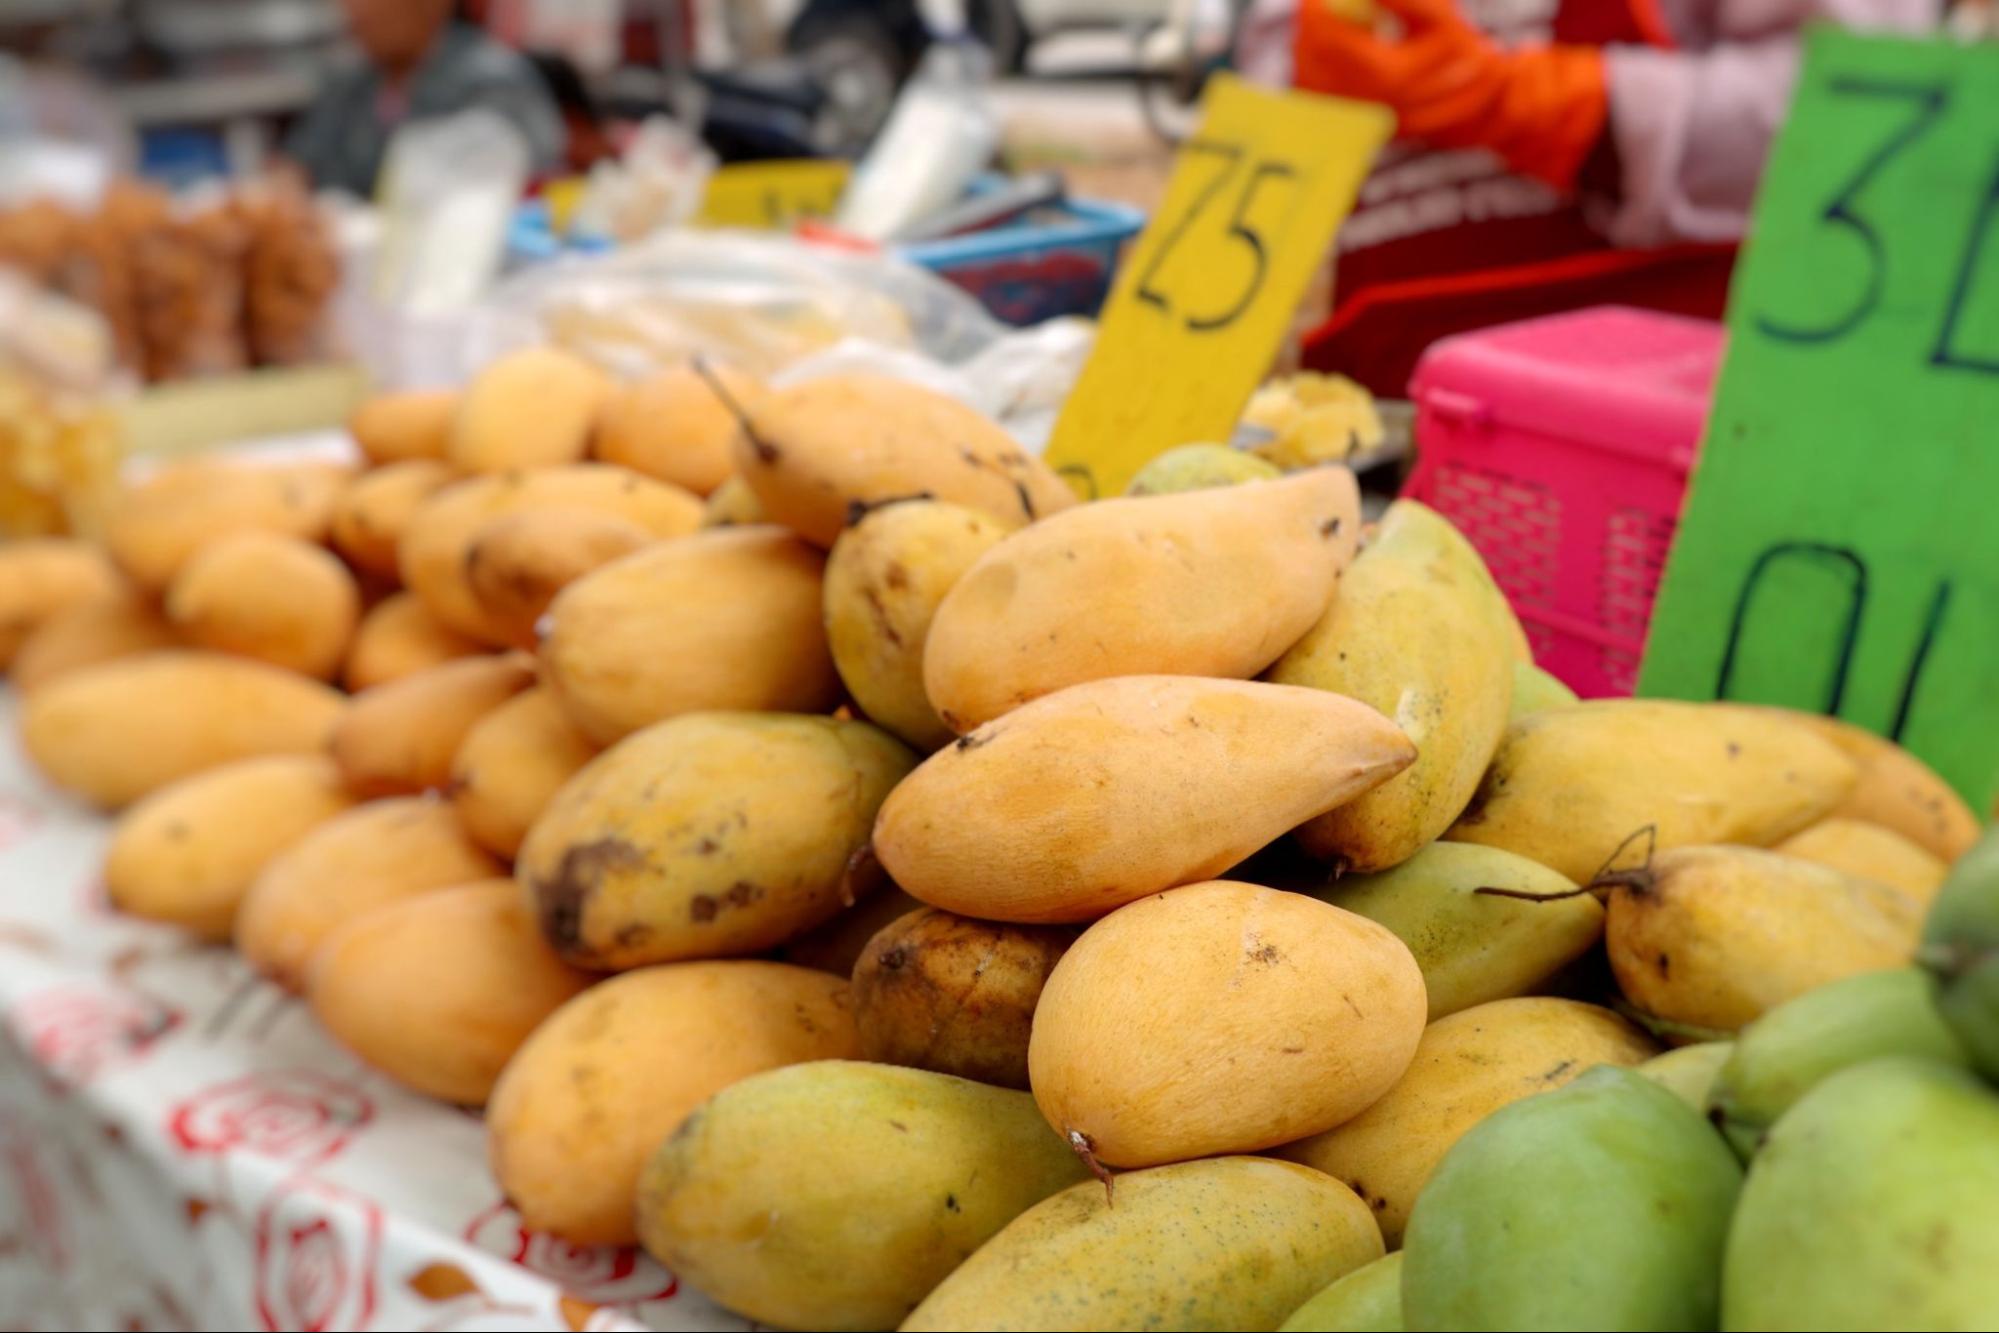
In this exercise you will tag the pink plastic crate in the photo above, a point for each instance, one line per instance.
(1561, 448)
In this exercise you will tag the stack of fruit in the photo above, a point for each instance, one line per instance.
(1235, 948)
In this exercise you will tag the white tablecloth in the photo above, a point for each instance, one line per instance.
(181, 1147)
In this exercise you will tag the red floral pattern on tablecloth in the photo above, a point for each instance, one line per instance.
(75, 1033)
(295, 1115)
(318, 1248)
(601, 1274)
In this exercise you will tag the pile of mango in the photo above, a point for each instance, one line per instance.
(898, 894)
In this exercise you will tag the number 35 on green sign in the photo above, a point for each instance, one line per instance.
(1839, 548)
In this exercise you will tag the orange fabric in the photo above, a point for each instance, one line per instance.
(1541, 108)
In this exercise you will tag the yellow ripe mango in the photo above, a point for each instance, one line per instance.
(1094, 796)
(814, 451)
(440, 990)
(915, 1170)
(1203, 583)
(189, 852)
(154, 526)
(1218, 1018)
(394, 427)
(884, 580)
(1467, 1066)
(117, 730)
(511, 764)
(721, 620)
(438, 538)
(1709, 938)
(371, 514)
(707, 835)
(400, 738)
(398, 638)
(835, 945)
(1225, 1244)
(535, 407)
(1418, 631)
(1897, 790)
(44, 577)
(1572, 786)
(1475, 946)
(608, 1076)
(361, 859)
(1871, 852)
(102, 630)
(276, 599)
(1195, 467)
(732, 504)
(1534, 690)
(517, 563)
(674, 426)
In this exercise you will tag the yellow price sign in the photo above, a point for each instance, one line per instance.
(773, 194)
(1209, 288)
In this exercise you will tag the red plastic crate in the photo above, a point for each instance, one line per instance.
(1561, 447)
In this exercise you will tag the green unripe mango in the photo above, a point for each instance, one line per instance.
(1961, 945)
(1873, 1204)
(1198, 467)
(1367, 1300)
(1601, 1205)
(836, 1194)
(1535, 690)
(1785, 1053)
(1688, 1072)
(1219, 1243)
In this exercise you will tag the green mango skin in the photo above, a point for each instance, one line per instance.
(1874, 1204)
(1961, 945)
(1199, 467)
(1535, 690)
(1367, 1300)
(1788, 1051)
(1688, 1072)
(1601, 1205)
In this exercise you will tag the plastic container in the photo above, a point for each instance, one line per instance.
(1561, 447)
(1055, 261)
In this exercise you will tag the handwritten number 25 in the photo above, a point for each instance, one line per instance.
(1238, 228)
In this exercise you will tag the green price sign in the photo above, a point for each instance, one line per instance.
(1839, 550)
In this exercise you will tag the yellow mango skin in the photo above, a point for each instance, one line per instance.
(188, 853)
(835, 945)
(511, 764)
(517, 563)
(1569, 786)
(1898, 791)
(1229, 1243)
(815, 449)
(1713, 937)
(1203, 583)
(398, 638)
(117, 730)
(276, 599)
(1418, 631)
(1534, 691)
(1219, 1018)
(153, 527)
(1096, 795)
(606, 1078)
(885, 579)
(532, 408)
(103, 630)
(1196, 467)
(439, 991)
(917, 1170)
(394, 427)
(401, 737)
(720, 620)
(360, 859)
(1474, 947)
(674, 426)
(1466, 1067)
(43, 577)
(707, 835)
(435, 544)
(733, 504)
(1871, 852)
(370, 516)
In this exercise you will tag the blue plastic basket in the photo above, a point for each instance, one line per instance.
(1057, 260)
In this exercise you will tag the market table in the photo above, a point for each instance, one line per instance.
(182, 1147)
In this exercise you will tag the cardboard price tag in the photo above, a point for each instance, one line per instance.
(1207, 291)
(773, 195)
(1838, 550)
